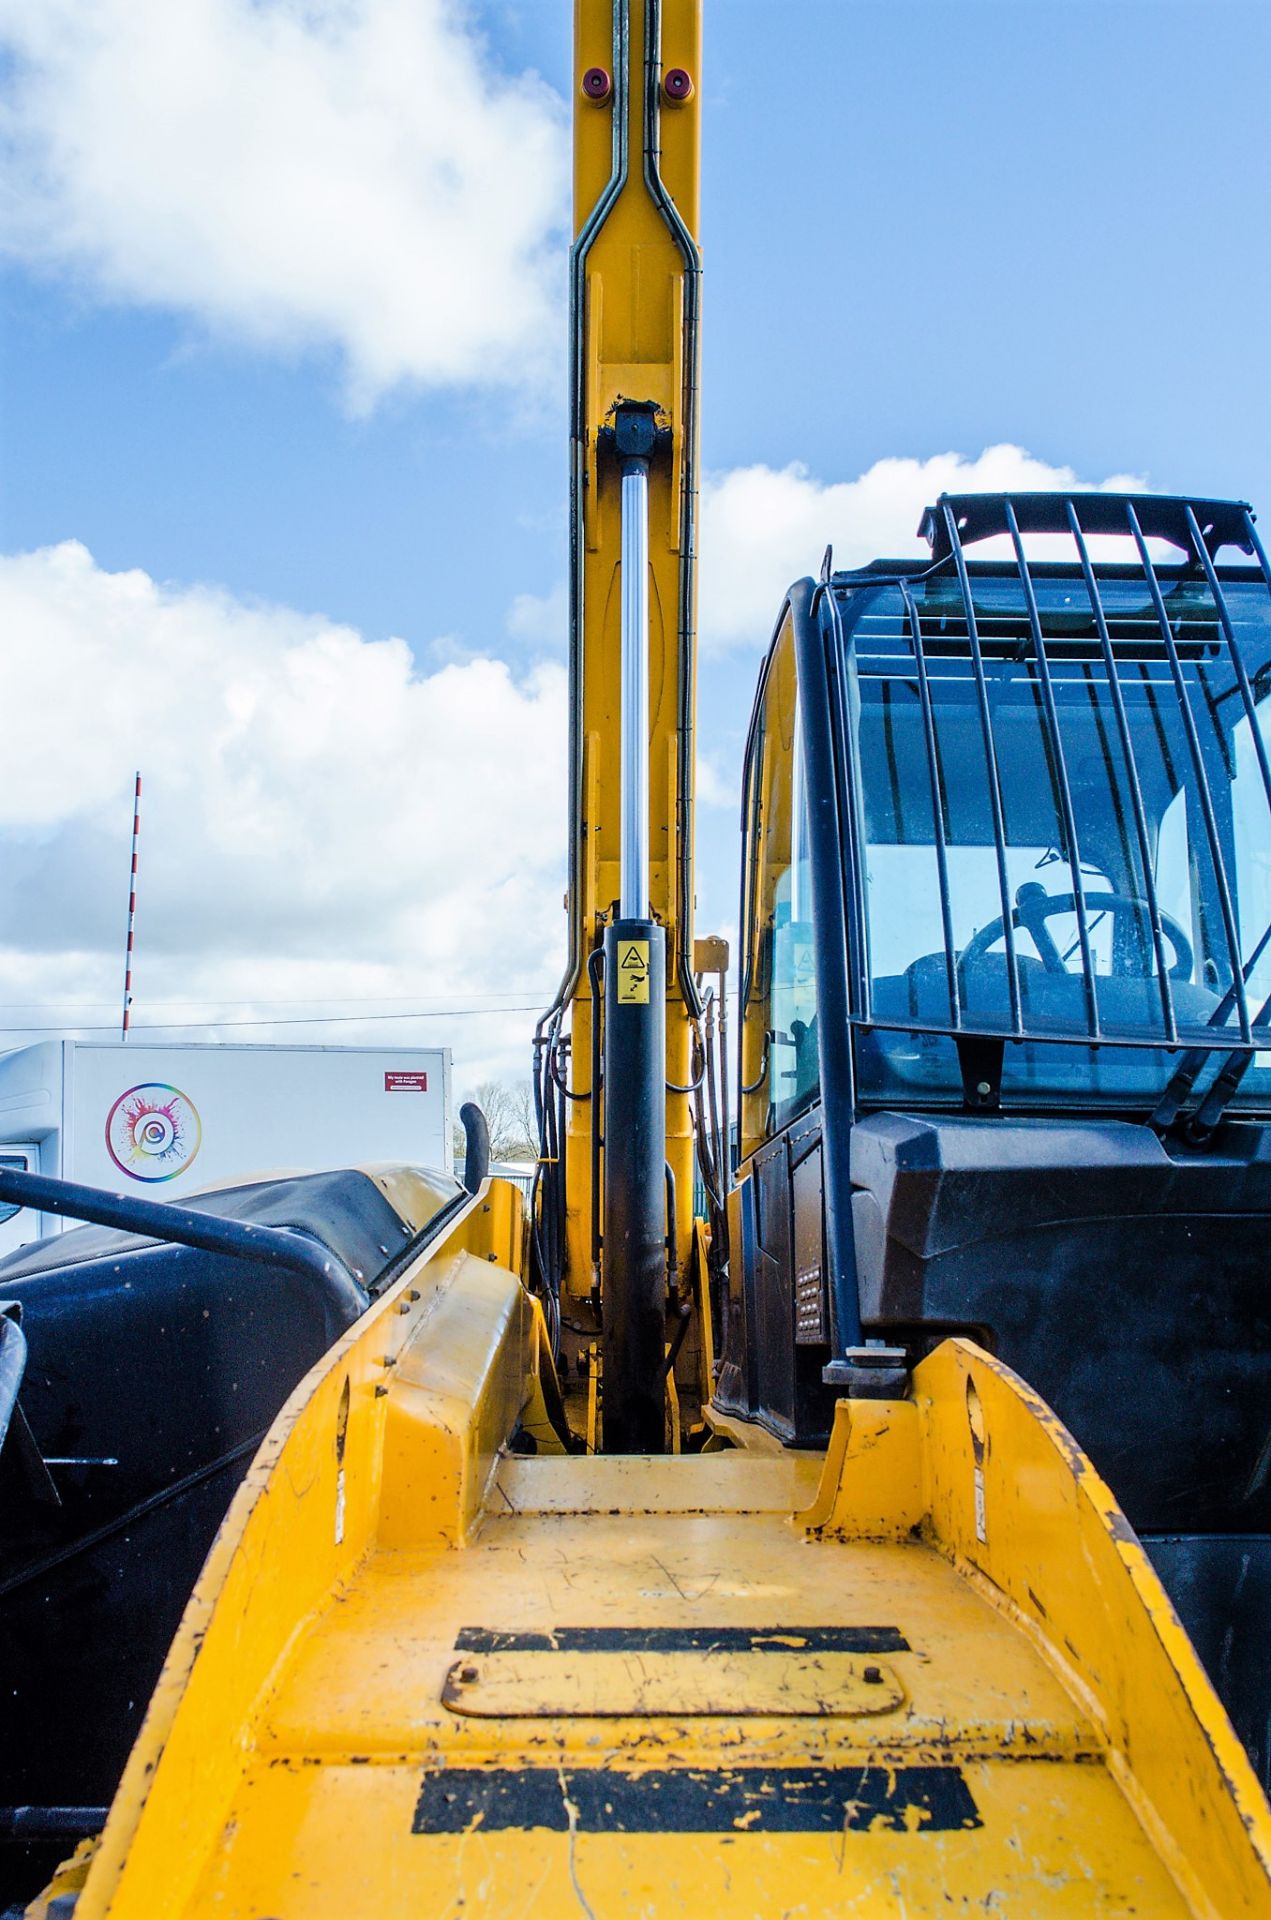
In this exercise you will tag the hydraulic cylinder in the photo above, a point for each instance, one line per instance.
(634, 1189)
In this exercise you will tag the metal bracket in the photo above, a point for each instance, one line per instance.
(635, 433)
(980, 1063)
(869, 1373)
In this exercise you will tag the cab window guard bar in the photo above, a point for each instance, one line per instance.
(1202, 529)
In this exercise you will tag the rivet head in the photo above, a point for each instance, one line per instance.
(597, 85)
(873, 1676)
(468, 1675)
(984, 1089)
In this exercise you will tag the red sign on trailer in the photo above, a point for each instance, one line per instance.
(405, 1083)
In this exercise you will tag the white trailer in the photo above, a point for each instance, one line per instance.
(164, 1122)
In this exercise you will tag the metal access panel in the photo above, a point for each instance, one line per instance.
(618, 1684)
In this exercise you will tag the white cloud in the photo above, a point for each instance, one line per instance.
(763, 527)
(320, 820)
(714, 788)
(323, 821)
(354, 175)
(542, 618)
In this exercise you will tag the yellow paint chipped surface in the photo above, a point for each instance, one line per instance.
(302, 1721)
(321, 1822)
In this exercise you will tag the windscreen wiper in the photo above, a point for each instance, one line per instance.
(1200, 1125)
(1188, 1070)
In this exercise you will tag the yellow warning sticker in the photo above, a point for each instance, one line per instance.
(633, 973)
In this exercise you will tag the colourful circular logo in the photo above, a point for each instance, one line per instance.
(153, 1132)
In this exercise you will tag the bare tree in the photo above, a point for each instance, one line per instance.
(526, 1119)
(508, 1107)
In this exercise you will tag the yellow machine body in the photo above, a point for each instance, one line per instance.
(929, 1671)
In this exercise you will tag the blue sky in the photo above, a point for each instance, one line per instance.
(929, 230)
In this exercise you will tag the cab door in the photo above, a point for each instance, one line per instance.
(779, 1073)
(777, 1336)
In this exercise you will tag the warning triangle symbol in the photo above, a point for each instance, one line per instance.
(633, 960)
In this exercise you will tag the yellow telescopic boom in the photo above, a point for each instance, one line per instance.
(634, 289)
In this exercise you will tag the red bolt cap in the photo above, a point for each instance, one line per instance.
(677, 85)
(597, 85)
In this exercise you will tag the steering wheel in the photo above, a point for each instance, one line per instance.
(1034, 906)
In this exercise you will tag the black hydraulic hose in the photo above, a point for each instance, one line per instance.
(690, 254)
(537, 1268)
(717, 1197)
(554, 1405)
(546, 1194)
(539, 1084)
(560, 1149)
(539, 1198)
(704, 1141)
(279, 1247)
(561, 1087)
(536, 1080)
(725, 1117)
(476, 1158)
(717, 1065)
(547, 1208)
(762, 1075)
(677, 1339)
(697, 1064)
(595, 967)
(706, 1157)
(558, 1146)
(672, 1214)
(718, 1251)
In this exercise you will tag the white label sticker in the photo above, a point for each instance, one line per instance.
(339, 1508)
(981, 1533)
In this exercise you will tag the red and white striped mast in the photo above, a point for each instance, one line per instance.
(132, 908)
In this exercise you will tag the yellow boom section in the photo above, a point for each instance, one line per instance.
(634, 294)
(931, 1672)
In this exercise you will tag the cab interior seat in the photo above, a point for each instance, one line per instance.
(1129, 1004)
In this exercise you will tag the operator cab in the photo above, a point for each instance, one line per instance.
(1005, 1036)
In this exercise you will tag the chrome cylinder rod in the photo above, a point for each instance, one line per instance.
(634, 808)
